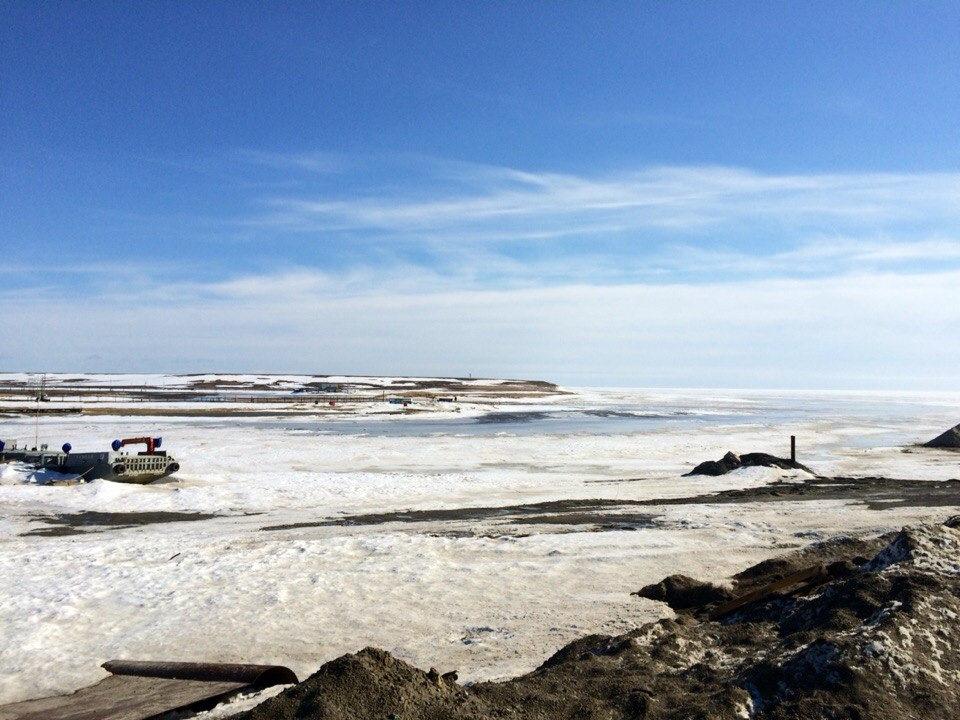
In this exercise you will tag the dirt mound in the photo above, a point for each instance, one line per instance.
(877, 639)
(681, 592)
(370, 684)
(949, 439)
(731, 461)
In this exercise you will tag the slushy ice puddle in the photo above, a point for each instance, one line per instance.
(604, 412)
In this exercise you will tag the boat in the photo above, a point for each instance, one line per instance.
(114, 465)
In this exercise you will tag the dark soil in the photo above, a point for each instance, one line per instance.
(877, 493)
(606, 514)
(877, 640)
(595, 515)
(82, 523)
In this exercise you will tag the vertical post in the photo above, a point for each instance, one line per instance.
(793, 448)
(36, 436)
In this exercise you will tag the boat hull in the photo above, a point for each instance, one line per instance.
(132, 469)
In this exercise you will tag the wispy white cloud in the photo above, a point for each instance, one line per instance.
(820, 255)
(855, 330)
(314, 162)
(693, 276)
(508, 200)
(471, 269)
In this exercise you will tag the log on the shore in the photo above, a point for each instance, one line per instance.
(138, 690)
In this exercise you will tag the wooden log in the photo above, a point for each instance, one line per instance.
(809, 577)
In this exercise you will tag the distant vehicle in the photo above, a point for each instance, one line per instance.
(124, 467)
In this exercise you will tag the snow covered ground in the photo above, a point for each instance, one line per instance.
(486, 597)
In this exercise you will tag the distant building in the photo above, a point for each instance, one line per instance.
(319, 388)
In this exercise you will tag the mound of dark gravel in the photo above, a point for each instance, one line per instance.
(681, 592)
(731, 461)
(949, 439)
(878, 639)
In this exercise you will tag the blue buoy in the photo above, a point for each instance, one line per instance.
(116, 445)
(67, 447)
(157, 442)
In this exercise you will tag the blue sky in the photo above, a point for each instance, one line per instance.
(695, 194)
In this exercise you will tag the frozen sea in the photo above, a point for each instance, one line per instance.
(316, 547)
